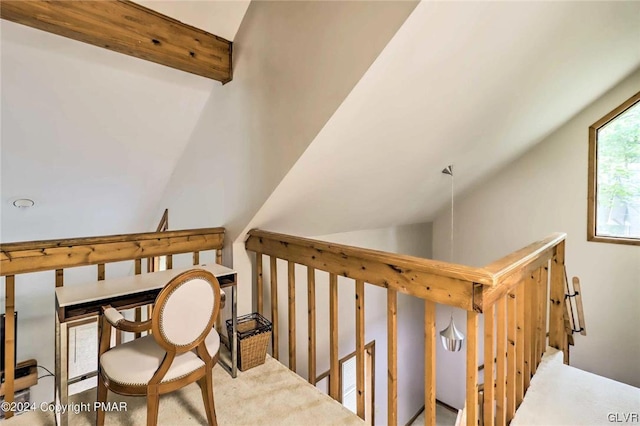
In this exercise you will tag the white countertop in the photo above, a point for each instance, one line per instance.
(115, 287)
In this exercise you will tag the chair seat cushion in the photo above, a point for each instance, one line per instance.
(135, 362)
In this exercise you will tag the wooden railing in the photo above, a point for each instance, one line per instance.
(512, 293)
(57, 255)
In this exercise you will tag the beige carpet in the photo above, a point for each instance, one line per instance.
(265, 395)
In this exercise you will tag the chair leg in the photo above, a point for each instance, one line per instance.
(102, 399)
(153, 399)
(206, 386)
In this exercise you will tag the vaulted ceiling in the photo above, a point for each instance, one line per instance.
(96, 138)
(469, 84)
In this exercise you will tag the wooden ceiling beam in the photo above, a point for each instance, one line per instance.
(126, 27)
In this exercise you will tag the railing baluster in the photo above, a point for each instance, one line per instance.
(392, 357)
(9, 343)
(101, 272)
(334, 385)
(544, 299)
(219, 256)
(196, 258)
(138, 271)
(488, 408)
(274, 307)
(311, 303)
(169, 261)
(519, 343)
(472, 368)
(59, 277)
(138, 266)
(259, 283)
(533, 320)
(501, 359)
(291, 280)
(429, 363)
(528, 334)
(511, 356)
(153, 265)
(360, 389)
(556, 317)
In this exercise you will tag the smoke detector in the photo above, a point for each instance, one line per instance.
(23, 203)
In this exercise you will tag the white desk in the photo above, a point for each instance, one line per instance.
(82, 301)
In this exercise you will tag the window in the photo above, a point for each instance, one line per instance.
(614, 176)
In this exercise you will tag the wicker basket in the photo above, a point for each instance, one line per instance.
(254, 333)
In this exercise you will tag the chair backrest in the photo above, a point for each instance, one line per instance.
(185, 310)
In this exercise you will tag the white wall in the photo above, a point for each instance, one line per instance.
(90, 135)
(409, 239)
(294, 63)
(542, 192)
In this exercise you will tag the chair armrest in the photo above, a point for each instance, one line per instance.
(116, 319)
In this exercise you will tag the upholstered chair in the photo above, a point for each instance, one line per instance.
(181, 349)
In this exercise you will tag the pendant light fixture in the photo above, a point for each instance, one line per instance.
(451, 337)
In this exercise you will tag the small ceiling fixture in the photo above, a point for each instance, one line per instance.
(23, 203)
(451, 337)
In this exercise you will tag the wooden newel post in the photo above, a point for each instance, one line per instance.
(259, 283)
(472, 368)
(556, 298)
(273, 266)
(360, 373)
(334, 359)
(392, 357)
(429, 363)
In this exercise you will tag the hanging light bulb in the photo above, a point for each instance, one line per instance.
(451, 337)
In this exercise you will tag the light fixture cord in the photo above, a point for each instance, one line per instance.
(451, 246)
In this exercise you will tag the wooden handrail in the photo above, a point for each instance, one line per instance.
(437, 281)
(35, 256)
(436, 267)
(104, 239)
(518, 266)
(493, 274)
(504, 268)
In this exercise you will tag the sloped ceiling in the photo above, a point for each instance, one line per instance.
(473, 84)
(294, 64)
(92, 135)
